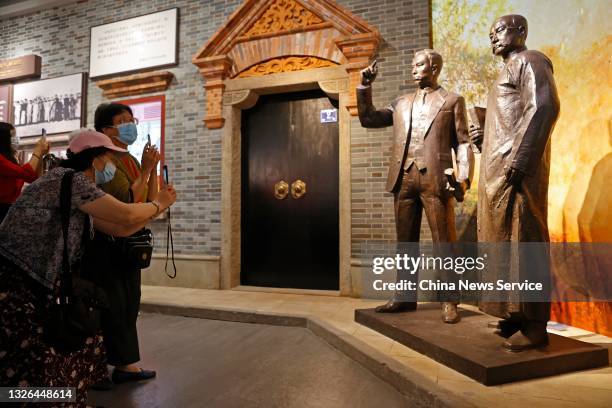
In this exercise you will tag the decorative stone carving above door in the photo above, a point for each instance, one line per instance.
(264, 37)
(281, 16)
(285, 64)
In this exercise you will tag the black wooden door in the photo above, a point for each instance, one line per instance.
(290, 242)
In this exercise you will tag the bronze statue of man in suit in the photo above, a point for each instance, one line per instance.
(428, 125)
(522, 109)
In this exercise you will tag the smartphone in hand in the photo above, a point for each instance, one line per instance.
(165, 171)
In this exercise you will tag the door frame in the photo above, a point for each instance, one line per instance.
(243, 93)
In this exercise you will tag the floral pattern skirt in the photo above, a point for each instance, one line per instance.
(25, 359)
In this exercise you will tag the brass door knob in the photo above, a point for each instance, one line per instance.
(281, 190)
(298, 189)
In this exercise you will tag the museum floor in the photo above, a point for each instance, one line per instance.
(212, 363)
(180, 346)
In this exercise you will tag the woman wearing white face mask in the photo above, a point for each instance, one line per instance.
(129, 181)
(31, 254)
(12, 174)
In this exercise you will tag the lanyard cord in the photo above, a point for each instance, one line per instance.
(169, 246)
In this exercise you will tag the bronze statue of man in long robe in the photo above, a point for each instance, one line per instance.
(522, 109)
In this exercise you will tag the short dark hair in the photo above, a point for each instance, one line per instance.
(82, 160)
(6, 147)
(105, 113)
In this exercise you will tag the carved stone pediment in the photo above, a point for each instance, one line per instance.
(285, 64)
(264, 37)
(282, 16)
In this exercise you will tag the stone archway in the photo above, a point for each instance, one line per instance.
(263, 34)
(274, 47)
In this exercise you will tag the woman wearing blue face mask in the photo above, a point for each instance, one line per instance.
(131, 182)
(31, 254)
(135, 182)
(107, 173)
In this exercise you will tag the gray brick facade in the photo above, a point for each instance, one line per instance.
(193, 153)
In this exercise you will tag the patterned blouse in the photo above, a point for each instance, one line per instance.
(31, 234)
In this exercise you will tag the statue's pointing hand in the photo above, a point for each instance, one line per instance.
(368, 74)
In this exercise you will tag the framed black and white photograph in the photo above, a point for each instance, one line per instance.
(55, 104)
(134, 44)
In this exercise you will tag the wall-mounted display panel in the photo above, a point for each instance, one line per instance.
(148, 41)
(55, 104)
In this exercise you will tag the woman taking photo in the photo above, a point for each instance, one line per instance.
(31, 253)
(12, 174)
(131, 182)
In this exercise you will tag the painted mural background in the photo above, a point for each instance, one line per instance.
(577, 36)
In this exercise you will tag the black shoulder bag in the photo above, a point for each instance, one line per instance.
(75, 312)
(137, 248)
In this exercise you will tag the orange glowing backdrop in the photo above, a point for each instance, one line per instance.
(576, 36)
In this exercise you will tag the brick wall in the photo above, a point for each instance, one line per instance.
(193, 153)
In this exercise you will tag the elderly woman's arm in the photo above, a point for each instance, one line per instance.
(118, 230)
(153, 185)
(9, 169)
(145, 187)
(108, 208)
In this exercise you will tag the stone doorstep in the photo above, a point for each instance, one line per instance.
(418, 390)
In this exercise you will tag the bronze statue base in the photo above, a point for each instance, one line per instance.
(473, 349)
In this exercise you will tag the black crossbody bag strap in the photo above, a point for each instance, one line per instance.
(65, 289)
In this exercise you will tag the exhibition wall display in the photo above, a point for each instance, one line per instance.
(27, 66)
(55, 104)
(148, 41)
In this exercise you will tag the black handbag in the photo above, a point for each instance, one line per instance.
(78, 303)
(138, 248)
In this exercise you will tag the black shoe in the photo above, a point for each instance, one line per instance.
(103, 385)
(393, 306)
(120, 376)
(531, 335)
(506, 328)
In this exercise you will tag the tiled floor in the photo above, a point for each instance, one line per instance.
(591, 388)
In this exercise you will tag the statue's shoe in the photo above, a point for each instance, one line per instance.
(449, 313)
(394, 306)
(532, 335)
(507, 327)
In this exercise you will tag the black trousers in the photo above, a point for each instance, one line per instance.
(121, 282)
(3, 210)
